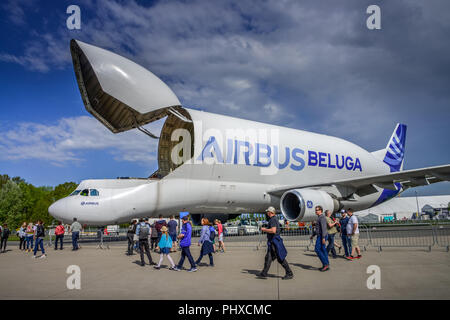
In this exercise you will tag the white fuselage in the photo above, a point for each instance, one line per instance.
(234, 164)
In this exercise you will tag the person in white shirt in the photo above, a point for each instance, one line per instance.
(353, 233)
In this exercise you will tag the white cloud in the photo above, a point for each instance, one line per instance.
(66, 142)
(308, 65)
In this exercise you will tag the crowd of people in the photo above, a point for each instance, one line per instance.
(32, 235)
(327, 227)
(164, 237)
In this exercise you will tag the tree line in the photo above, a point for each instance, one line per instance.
(21, 201)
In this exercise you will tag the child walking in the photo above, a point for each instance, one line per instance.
(165, 244)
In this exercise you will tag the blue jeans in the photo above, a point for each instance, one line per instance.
(29, 239)
(349, 244)
(346, 243)
(330, 246)
(39, 242)
(75, 236)
(321, 251)
(60, 238)
(185, 252)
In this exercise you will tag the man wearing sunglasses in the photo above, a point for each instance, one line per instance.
(322, 235)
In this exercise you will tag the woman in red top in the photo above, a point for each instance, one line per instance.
(220, 233)
(59, 233)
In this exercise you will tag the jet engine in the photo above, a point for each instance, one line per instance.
(299, 204)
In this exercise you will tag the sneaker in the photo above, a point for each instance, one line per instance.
(176, 269)
(157, 268)
(142, 264)
(172, 268)
(211, 265)
(358, 257)
(348, 258)
(43, 256)
(288, 276)
(34, 257)
(192, 270)
(325, 268)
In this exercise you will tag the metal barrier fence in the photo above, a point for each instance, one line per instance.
(442, 235)
(416, 235)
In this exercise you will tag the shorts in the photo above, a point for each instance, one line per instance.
(221, 237)
(355, 239)
(173, 236)
(165, 250)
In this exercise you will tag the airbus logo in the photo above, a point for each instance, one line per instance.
(83, 203)
(265, 155)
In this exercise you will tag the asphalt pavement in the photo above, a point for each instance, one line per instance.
(111, 274)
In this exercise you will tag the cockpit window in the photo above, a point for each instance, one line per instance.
(76, 192)
(85, 192)
(94, 192)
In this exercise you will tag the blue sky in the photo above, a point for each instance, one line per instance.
(304, 64)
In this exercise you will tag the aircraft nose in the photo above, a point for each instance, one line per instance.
(58, 209)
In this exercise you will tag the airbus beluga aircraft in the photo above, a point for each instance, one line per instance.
(220, 166)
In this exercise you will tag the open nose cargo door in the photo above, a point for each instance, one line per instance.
(123, 95)
(118, 92)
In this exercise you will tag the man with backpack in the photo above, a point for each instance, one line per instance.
(39, 239)
(143, 232)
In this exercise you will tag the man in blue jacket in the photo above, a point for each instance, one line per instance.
(185, 243)
(275, 246)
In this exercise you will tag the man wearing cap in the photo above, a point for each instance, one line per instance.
(275, 246)
(185, 243)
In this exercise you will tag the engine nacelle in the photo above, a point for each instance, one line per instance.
(299, 204)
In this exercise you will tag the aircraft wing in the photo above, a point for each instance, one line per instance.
(366, 185)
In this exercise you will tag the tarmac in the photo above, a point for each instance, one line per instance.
(111, 274)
